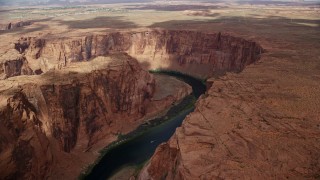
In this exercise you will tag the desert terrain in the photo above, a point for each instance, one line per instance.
(73, 77)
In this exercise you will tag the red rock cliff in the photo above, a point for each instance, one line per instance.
(234, 133)
(190, 52)
(46, 117)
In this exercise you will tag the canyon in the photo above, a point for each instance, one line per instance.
(69, 110)
(79, 79)
(68, 98)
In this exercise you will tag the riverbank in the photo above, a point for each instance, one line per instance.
(185, 105)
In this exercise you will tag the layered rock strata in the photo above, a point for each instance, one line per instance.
(69, 110)
(194, 53)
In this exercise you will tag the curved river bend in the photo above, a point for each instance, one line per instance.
(141, 147)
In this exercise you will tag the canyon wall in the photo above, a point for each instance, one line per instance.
(59, 112)
(234, 133)
(194, 53)
(24, 146)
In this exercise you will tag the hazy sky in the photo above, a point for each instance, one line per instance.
(29, 2)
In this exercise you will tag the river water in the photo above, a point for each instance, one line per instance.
(140, 148)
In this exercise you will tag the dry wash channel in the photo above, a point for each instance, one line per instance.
(80, 93)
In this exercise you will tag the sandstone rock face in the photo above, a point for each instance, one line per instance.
(163, 164)
(234, 133)
(48, 115)
(13, 64)
(24, 147)
(193, 53)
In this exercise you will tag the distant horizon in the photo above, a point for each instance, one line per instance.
(79, 2)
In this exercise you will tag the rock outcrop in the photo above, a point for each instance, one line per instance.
(168, 91)
(14, 25)
(24, 147)
(61, 109)
(14, 64)
(195, 53)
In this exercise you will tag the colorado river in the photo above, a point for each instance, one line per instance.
(140, 148)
